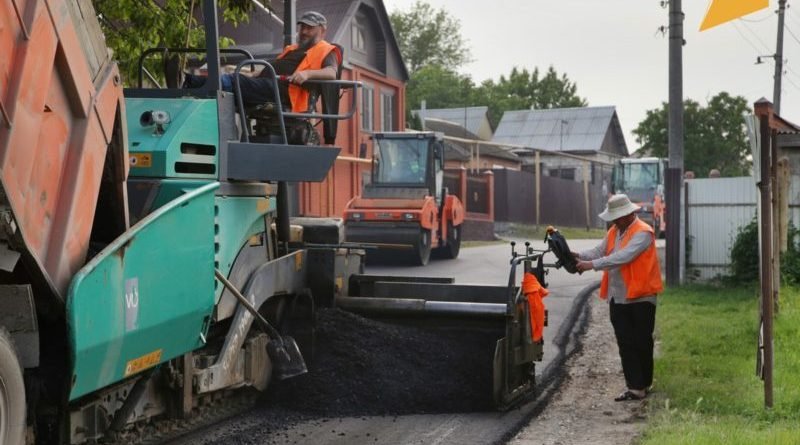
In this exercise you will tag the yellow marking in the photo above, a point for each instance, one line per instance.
(143, 362)
(339, 283)
(298, 261)
(255, 240)
(141, 160)
(262, 205)
(721, 11)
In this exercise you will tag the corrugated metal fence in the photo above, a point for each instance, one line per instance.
(716, 209)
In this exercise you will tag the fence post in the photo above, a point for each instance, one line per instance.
(586, 193)
(537, 168)
(489, 193)
(462, 192)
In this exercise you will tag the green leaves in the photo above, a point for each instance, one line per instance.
(428, 36)
(523, 89)
(133, 26)
(714, 135)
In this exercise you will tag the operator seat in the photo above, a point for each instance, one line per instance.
(299, 131)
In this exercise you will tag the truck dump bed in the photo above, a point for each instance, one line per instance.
(60, 104)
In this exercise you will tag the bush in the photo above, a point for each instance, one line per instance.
(744, 256)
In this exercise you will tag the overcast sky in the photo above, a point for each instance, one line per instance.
(615, 53)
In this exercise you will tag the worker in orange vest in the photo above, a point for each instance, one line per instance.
(311, 58)
(631, 280)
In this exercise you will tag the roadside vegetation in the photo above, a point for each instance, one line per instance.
(534, 232)
(706, 390)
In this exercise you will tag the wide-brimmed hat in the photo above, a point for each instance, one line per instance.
(617, 207)
(313, 18)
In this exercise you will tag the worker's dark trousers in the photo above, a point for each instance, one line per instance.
(633, 326)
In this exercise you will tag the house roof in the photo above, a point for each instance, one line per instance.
(563, 129)
(462, 149)
(469, 117)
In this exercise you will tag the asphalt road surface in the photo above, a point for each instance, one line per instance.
(477, 265)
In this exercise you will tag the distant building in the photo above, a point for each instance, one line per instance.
(479, 154)
(475, 120)
(589, 132)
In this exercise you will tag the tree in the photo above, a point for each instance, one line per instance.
(132, 26)
(524, 89)
(714, 136)
(439, 87)
(428, 36)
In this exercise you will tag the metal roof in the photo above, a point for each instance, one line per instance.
(455, 130)
(470, 118)
(562, 129)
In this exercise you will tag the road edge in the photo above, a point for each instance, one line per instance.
(567, 339)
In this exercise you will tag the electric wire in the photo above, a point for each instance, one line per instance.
(750, 42)
(755, 34)
(769, 16)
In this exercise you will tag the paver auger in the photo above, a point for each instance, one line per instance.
(506, 312)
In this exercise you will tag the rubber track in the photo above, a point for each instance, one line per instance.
(212, 409)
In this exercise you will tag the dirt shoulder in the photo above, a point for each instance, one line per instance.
(583, 410)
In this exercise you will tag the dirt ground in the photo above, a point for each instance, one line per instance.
(583, 411)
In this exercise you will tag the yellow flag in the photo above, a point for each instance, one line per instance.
(721, 11)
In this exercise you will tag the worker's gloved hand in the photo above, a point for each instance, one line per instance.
(583, 266)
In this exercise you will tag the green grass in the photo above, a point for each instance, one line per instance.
(706, 388)
(537, 232)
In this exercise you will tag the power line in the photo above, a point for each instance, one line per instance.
(792, 34)
(757, 20)
(750, 42)
(756, 35)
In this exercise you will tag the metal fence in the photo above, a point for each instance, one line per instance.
(716, 209)
(563, 202)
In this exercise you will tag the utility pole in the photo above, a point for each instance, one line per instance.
(676, 240)
(776, 93)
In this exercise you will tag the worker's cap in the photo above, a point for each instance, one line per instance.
(617, 207)
(312, 18)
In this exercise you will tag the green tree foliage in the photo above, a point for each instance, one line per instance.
(715, 135)
(523, 89)
(439, 87)
(429, 36)
(520, 90)
(132, 26)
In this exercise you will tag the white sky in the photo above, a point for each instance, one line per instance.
(614, 52)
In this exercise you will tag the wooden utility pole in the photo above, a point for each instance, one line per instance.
(765, 186)
(674, 177)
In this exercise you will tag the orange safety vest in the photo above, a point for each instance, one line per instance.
(312, 61)
(642, 276)
(534, 292)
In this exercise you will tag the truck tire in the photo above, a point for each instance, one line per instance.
(12, 394)
(453, 246)
(422, 248)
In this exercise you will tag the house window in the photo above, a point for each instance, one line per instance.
(367, 100)
(387, 111)
(357, 39)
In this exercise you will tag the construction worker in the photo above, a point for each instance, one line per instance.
(631, 280)
(312, 58)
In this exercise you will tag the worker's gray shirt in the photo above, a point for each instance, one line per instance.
(617, 289)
